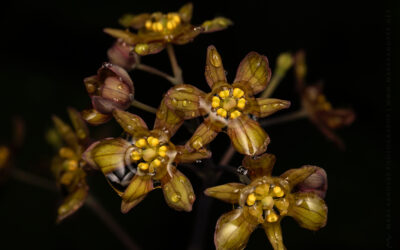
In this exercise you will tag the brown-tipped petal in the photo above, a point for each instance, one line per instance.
(116, 91)
(185, 12)
(254, 71)
(87, 155)
(298, 175)
(184, 156)
(72, 202)
(228, 192)
(247, 136)
(126, 206)
(309, 210)
(92, 84)
(274, 234)
(124, 35)
(66, 133)
(94, 117)
(132, 124)
(178, 191)
(316, 183)
(214, 69)
(166, 120)
(79, 124)
(143, 49)
(103, 105)
(187, 34)
(259, 165)
(120, 54)
(139, 186)
(337, 118)
(218, 23)
(266, 106)
(123, 76)
(109, 154)
(134, 21)
(185, 100)
(233, 231)
(203, 135)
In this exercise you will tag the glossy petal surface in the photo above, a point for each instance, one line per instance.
(216, 24)
(254, 71)
(132, 124)
(203, 135)
(167, 120)
(266, 106)
(274, 234)
(247, 136)
(228, 192)
(259, 165)
(184, 99)
(214, 69)
(298, 175)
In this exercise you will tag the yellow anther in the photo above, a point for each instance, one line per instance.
(235, 114)
(143, 166)
(251, 199)
(176, 18)
(241, 103)
(224, 93)
(278, 191)
(152, 141)
(66, 153)
(272, 217)
(222, 112)
(163, 148)
(159, 26)
(135, 156)
(156, 163)
(148, 24)
(72, 165)
(140, 143)
(238, 92)
(215, 102)
(171, 25)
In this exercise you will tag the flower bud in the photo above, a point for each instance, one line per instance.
(316, 183)
(110, 89)
(120, 54)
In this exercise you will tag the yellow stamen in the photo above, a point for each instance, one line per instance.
(215, 102)
(176, 18)
(163, 148)
(241, 103)
(66, 153)
(171, 25)
(235, 114)
(143, 166)
(278, 191)
(159, 26)
(156, 163)
(222, 112)
(224, 93)
(153, 141)
(148, 24)
(238, 92)
(72, 165)
(251, 199)
(141, 143)
(272, 217)
(135, 156)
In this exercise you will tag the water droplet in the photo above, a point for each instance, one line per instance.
(242, 170)
(198, 161)
(176, 197)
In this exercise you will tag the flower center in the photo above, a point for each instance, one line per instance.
(148, 154)
(228, 103)
(163, 22)
(271, 198)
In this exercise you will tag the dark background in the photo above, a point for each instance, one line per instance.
(47, 48)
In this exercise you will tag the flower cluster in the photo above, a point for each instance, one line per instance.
(143, 159)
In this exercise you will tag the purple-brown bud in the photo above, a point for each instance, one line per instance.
(316, 183)
(110, 89)
(120, 54)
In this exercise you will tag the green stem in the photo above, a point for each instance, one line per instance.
(145, 107)
(174, 64)
(276, 79)
(155, 71)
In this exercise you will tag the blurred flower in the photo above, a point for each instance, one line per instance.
(4, 156)
(319, 110)
(68, 165)
(158, 29)
(266, 200)
(135, 167)
(120, 54)
(110, 89)
(228, 105)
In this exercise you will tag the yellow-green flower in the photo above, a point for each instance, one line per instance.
(156, 30)
(68, 165)
(266, 201)
(135, 167)
(228, 105)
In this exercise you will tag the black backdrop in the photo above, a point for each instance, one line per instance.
(47, 48)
